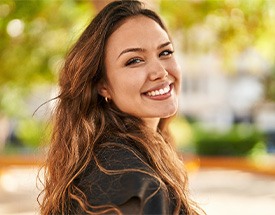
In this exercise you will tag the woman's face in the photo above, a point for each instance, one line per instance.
(143, 75)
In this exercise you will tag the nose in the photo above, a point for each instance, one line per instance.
(157, 71)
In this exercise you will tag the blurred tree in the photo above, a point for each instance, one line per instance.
(226, 27)
(34, 37)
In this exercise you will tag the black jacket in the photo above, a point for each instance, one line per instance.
(133, 191)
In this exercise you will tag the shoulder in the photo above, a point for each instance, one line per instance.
(117, 173)
(120, 174)
(117, 156)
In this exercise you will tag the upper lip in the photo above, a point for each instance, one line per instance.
(159, 86)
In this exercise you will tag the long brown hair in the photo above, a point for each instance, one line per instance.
(82, 119)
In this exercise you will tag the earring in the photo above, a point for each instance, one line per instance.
(107, 99)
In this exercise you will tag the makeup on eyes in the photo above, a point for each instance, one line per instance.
(136, 60)
(139, 49)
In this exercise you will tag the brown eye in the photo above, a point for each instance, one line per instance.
(133, 61)
(166, 53)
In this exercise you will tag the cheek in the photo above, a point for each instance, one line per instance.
(175, 71)
(124, 86)
(128, 79)
(174, 67)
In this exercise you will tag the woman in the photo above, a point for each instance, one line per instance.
(110, 150)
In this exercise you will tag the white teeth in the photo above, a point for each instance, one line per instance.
(159, 92)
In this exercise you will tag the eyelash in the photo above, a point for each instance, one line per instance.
(133, 61)
(169, 52)
(136, 60)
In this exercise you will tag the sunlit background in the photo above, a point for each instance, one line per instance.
(225, 128)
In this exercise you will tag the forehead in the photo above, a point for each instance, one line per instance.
(139, 31)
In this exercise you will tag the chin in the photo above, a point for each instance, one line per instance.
(169, 114)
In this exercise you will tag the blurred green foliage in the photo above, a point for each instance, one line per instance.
(240, 140)
(182, 133)
(34, 37)
(28, 135)
(234, 24)
(226, 28)
(31, 132)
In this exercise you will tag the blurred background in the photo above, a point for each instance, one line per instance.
(225, 128)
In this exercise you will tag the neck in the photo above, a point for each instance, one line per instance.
(152, 123)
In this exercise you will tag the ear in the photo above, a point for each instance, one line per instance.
(103, 89)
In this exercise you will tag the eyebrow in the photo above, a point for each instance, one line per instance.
(141, 49)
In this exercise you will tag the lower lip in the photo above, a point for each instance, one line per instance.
(161, 97)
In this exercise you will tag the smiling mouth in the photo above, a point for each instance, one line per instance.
(159, 92)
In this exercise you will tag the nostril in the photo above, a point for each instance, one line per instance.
(160, 74)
